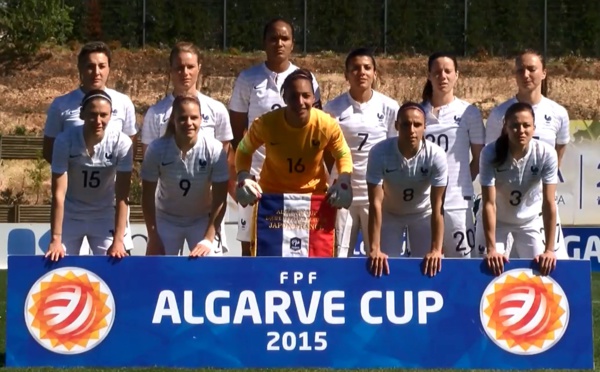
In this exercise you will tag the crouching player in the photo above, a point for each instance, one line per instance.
(518, 178)
(295, 138)
(178, 172)
(406, 179)
(91, 168)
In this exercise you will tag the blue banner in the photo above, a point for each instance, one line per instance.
(584, 243)
(295, 313)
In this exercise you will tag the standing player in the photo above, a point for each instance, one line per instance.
(406, 179)
(518, 179)
(295, 137)
(91, 166)
(366, 118)
(184, 62)
(457, 127)
(189, 169)
(93, 64)
(552, 119)
(257, 91)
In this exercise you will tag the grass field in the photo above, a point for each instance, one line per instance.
(596, 318)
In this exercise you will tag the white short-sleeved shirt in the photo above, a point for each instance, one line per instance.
(551, 122)
(91, 179)
(363, 126)
(458, 125)
(256, 91)
(63, 113)
(215, 119)
(407, 182)
(183, 193)
(519, 183)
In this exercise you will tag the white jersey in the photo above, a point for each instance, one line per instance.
(363, 125)
(257, 90)
(458, 125)
(407, 182)
(183, 193)
(63, 113)
(215, 119)
(551, 122)
(518, 183)
(91, 178)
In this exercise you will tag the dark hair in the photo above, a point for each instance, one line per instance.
(183, 46)
(502, 144)
(428, 89)
(271, 24)
(93, 47)
(300, 73)
(177, 103)
(410, 105)
(361, 52)
(93, 95)
(541, 57)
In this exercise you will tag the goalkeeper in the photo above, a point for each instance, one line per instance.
(295, 138)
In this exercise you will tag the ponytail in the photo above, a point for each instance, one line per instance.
(545, 87)
(427, 91)
(501, 148)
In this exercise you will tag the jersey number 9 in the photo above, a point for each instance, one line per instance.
(185, 185)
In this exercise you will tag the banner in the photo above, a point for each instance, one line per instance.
(295, 225)
(266, 312)
(583, 243)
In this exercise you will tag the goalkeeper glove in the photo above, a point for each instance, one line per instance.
(247, 191)
(339, 194)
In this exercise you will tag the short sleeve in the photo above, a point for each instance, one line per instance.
(487, 171)
(150, 128)
(391, 118)
(550, 167)
(124, 154)
(53, 126)
(375, 165)
(60, 154)
(130, 125)
(240, 97)
(151, 164)
(222, 125)
(474, 122)
(439, 169)
(317, 90)
(563, 136)
(220, 171)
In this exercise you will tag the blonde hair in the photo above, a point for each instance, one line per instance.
(184, 47)
(177, 104)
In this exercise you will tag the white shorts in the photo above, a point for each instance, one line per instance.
(527, 240)
(559, 243)
(459, 233)
(348, 223)
(418, 228)
(173, 236)
(245, 223)
(99, 234)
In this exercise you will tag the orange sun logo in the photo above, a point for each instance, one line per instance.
(69, 310)
(524, 313)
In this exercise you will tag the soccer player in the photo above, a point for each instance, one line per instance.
(518, 178)
(257, 91)
(366, 117)
(295, 138)
(91, 168)
(188, 168)
(406, 179)
(185, 64)
(93, 64)
(552, 119)
(457, 127)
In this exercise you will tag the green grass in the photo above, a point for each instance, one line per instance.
(595, 316)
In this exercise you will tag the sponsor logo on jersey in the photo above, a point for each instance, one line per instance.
(524, 313)
(69, 310)
(295, 244)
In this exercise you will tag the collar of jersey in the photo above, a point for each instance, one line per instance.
(361, 106)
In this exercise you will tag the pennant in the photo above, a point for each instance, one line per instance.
(294, 225)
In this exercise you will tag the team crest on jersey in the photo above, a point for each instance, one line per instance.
(114, 112)
(457, 119)
(548, 118)
(202, 164)
(108, 156)
(380, 116)
(315, 143)
(295, 244)
(205, 118)
(534, 170)
(424, 171)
